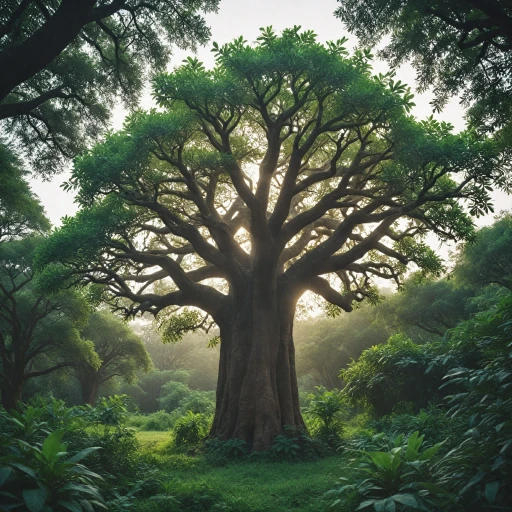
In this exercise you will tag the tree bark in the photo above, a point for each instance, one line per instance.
(89, 386)
(11, 393)
(23, 61)
(257, 393)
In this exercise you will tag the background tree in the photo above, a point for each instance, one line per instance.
(425, 310)
(489, 260)
(63, 61)
(21, 212)
(38, 333)
(456, 46)
(194, 352)
(286, 168)
(325, 345)
(120, 351)
(165, 356)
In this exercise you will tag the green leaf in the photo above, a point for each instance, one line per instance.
(389, 506)
(52, 446)
(81, 455)
(491, 490)
(34, 499)
(72, 506)
(430, 452)
(24, 468)
(409, 500)
(4, 474)
(381, 459)
(365, 504)
(473, 481)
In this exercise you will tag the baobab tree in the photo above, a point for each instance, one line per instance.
(286, 168)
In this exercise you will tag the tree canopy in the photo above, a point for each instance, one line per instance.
(21, 212)
(456, 46)
(325, 345)
(425, 310)
(38, 333)
(337, 154)
(489, 261)
(63, 62)
(120, 351)
(288, 167)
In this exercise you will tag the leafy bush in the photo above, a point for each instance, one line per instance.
(25, 432)
(46, 478)
(390, 374)
(326, 408)
(148, 389)
(474, 473)
(159, 421)
(395, 479)
(177, 398)
(109, 411)
(172, 394)
(285, 447)
(432, 422)
(478, 469)
(191, 429)
(220, 451)
(199, 402)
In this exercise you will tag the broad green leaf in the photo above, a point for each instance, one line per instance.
(365, 504)
(430, 452)
(409, 500)
(491, 490)
(381, 459)
(4, 474)
(24, 468)
(52, 445)
(389, 506)
(34, 499)
(84, 453)
(72, 505)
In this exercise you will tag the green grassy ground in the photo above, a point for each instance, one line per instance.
(254, 486)
(150, 441)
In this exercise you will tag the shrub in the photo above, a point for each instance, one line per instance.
(159, 420)
(477, 470)
(109, 411)
(391, 374)
(46, 478)
(191, 429)
(148, 389)
(395, 479)
(177, 398)
(172, 394)
(326, 408)
(115, 447)
(285, 447)
(432, 422)
(220, 452)
(199, 402)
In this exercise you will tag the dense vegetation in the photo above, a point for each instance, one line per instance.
(154, 353)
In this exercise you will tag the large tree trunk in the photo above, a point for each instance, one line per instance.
(89, 384)
(11, 393)
(257, 392)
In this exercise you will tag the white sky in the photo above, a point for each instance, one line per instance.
(244, 17)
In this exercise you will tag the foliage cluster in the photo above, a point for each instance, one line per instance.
(471, 474)
(55, 458)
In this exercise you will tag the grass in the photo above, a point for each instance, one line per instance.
(192, 483)
(152, 440)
